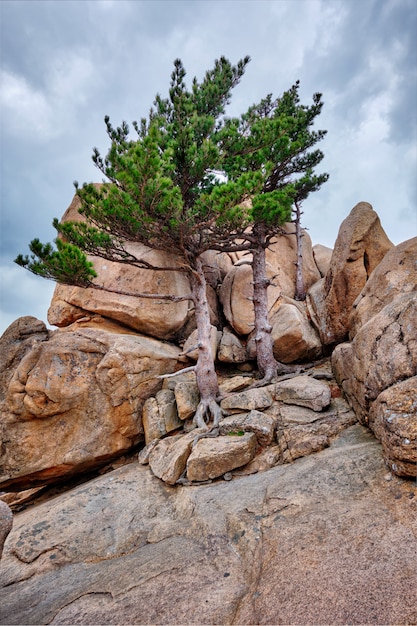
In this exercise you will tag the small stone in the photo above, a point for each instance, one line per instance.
(215, 457)
(247, 400)
(304, 391)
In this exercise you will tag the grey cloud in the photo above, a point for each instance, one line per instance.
(76, 61)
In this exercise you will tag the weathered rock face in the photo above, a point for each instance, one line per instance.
(382, 354)
(237, 290)
(21, 336)
(85, 389)
(294, 338)
(393, 418)
(314, 542)
(157, 318)
(395, 275)
(215, 457)
(322, 256)
(361, 244)
(6, 523)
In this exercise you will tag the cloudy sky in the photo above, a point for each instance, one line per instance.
(66, 64)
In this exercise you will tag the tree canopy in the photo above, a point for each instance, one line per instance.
(180, 184)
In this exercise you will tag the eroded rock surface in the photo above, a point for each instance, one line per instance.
(360, 245)
(158, 318)
(325, 540)
(6, 523)
(394, 276)
(85, 389)
(382, 354)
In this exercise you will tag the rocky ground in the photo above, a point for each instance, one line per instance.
(328, 539)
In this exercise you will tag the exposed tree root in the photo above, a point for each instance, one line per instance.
(208, 410)
(283, 372)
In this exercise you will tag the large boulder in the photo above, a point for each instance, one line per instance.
(294, 338)
(325, 540)
(395, 275)
(158, 318)
(75, 401)
(382, 354)
(237, 289)
(360, 246)
(322, 256)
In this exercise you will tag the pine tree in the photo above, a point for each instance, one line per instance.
(274, 137)
(161, 189)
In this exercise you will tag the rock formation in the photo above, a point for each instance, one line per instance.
(361, 244)
(194, 529)
(83, 388)
(329, 539)
(96, 385)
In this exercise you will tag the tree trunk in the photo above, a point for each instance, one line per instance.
(300, 293)
(268, 366)
(205, 371)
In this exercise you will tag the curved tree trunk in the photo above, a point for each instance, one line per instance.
(207, 382)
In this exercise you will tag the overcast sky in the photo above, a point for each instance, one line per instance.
(66, 64)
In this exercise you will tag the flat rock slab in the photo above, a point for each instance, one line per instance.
(329, 539)
(211, 458)
(304, 391)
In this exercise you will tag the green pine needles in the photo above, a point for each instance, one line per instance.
(192, 179)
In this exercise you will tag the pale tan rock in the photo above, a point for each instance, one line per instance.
(383, 352)
(143, 456)
(322, 256)
(159, 415)
(395, 275)
(257, 422)
(294, 338)
(360, 246)
(6, 523)
(294, 414)
(190, 348)
(258, 398)
(18, 339)
(231, 348)
(84, 389)
(289, 545)
(154, 317)
(168, 458)
(235, 295)
(393, 418)
(187, 398)
(282, 256)
(267, 458)
(302, 431)
(303, 391)
(235, 383)
(214, 457)
(217, 265)
(236, 292)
